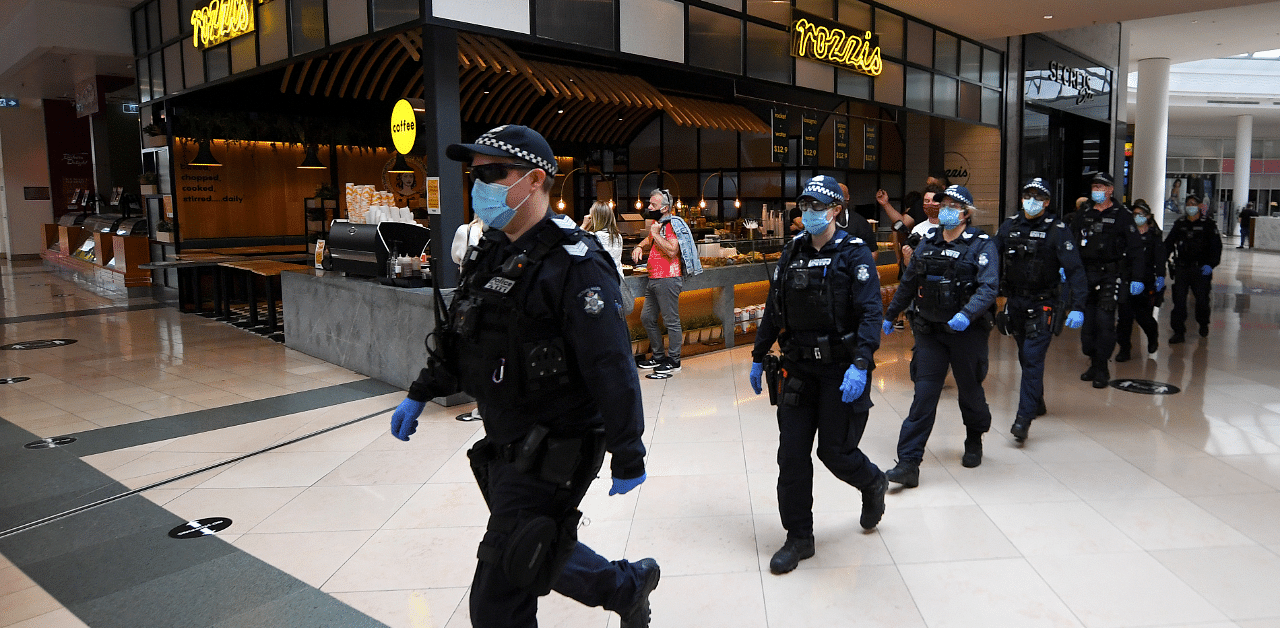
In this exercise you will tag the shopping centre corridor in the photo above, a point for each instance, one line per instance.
(1121, 509)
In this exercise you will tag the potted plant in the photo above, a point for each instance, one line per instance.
(639, 341)
(164, 231)
(147, 183)
(153, 136)
(328, 196)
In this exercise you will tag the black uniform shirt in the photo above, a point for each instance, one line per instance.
(1153, 257)
(981, 253)
(851, 254)
(1059, 250)
(1126, 245)
(1194, 243)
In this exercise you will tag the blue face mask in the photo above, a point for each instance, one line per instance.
(1191, 210)
(815, 221)
(949, 217)
(1032, 207)
(1098, 196)
(1139, 219)
(489, 202)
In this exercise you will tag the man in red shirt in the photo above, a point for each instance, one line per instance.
(662, 294)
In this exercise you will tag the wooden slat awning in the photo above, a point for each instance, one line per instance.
(498, 86)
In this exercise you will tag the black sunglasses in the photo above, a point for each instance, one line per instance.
(490, 173)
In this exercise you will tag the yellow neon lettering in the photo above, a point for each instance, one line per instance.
(221, 21)
(835, 46)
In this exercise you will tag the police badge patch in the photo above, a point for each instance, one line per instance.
(591, 302)
(864, 273)
(1069, 245)
(982, 259)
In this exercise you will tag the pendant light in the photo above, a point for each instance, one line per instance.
(204, 157)
(312, 160)
(401, 166)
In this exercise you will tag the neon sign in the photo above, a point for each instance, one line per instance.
(829, 42)
(222, 20)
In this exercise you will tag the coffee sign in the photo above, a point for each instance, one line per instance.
(829, 42)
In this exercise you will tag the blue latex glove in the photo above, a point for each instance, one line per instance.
(757, 369)
(1159, 284)
(1135, 288)
(1206, 270)
(404, 421)
(1075, 319)
(887, 327)
(1062, 272)
(855, 380)
(621, 486)
(959, 322)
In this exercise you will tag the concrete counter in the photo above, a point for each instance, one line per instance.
(1266, 233)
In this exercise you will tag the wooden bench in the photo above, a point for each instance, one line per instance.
(270, 271)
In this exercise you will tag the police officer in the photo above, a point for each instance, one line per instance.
(535, 334)
(823, 309)
(1036, 249)
(1111, 249)
(1195, 249)
(950, 283)
(1139, 307)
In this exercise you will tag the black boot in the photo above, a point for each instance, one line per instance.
(1177, 338)
(1089, 374)
(873, 503)
(1153, 343)
(1123, 356)
(792, 552)
(637, 616)
(1101, 376)
(972, 450)
(1019, 429)
(1204, 330)
(905, 473)
(1040, 409)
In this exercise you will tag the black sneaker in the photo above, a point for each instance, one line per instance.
(1204, 331)
(653, 362)
(637, 616)
(1153, 343)
(1177, 338)
(669, 366)
(904, 473)
(972, 450)
(792, 552)
(1123, 356)
(1019, 429)
(873, 503)
(1089, 374)
(898, 324)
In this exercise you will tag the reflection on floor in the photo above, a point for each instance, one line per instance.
(1121, 509)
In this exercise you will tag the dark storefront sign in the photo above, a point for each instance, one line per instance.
(842, 143)
(808, 139)
(1058, 78)
(778, 122)
(833, 43)
(870, 146)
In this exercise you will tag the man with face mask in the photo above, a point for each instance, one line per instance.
(536, 335)
(1034, 248)
(823, 309)
(672, 252)
(950, 283)
(1111, 249)
(1195, 248)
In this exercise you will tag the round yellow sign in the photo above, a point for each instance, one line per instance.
(404, 127)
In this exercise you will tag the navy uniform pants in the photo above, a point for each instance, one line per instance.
(838, 426)
(1189, 278)
(588, 577)
(1098, 334)
(1032, 348)
(965, 353)
(1140, 309)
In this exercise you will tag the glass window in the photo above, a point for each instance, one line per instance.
(217, 62)
(644, 149)
(854, 13)
(991, 67)
(157, 75)
(715, 41)
(272, 31)
(768, 53)
(185, 7)
(919, 44)
(719, 150)
(889, 84)
(814, 75)
(944, 95)
(193, 60)
(945, 53)
(308, 27)
(853, 84)
(779, 12)
(889, 28)
(173, 68)
(387, 13)
(757, 151)
(990, 106)
(662, 35)
(679, 146)
(347, 19)
(144, 79)
(153, 25)
(169, 19)
(736, 5)
(919, 89)
(244, 54)
(586, 22)
(970, 102)
(140, 31)
(762, 184)
(970, 61)
(820, 8)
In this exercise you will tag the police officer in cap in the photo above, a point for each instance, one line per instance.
(1111, 250)
(535, 334)
(1195, 248)
(951, 283)
(823, 309)
(1036, 249)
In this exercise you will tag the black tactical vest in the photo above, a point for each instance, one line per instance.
(947, 279)
(813, 292)
(1025, 261)
(1101, 236)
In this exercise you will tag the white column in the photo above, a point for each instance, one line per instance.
(1244, 159)
(1151, 134)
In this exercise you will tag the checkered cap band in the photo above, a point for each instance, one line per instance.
(1038, 184)
(824, 188)
(1103, 178)
(490, 138)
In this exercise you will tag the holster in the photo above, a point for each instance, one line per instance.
(1002, 321)
(791, 392)
(772, 365)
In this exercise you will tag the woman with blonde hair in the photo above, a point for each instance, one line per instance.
(601, 221)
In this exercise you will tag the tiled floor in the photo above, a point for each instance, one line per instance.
(1121, 510)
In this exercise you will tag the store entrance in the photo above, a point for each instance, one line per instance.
(1064, 149)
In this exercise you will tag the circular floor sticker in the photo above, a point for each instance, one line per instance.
(38, 344)
(1145, 386)
(200, 527)
(658, 376)
(50, 443)
(13, 380)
